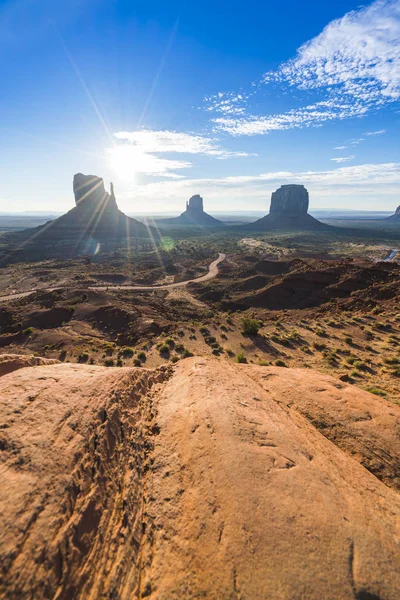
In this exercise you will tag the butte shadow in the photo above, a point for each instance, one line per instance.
(396, 217)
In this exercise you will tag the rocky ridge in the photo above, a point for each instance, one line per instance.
(207, 479)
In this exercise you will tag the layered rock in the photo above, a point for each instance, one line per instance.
(290, 200)
(203, 480)
(288, 211)
(194, 215)
(396, 216)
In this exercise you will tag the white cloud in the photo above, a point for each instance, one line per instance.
(336, 187)
(340, 147)
(375, 132)
(354, 63)
(140, 150)
(342, 159)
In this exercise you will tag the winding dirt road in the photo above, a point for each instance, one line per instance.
(212, 272)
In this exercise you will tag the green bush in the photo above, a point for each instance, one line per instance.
(127, 352)
(280, 363)
(137, 363)
(164, 349)
(376, 391)
(141, 356)
(109, 362)
(241, 358)
(28, 331)
(250, 326)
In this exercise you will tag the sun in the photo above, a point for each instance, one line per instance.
(125, 161)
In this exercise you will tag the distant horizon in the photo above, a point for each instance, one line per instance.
(215, 212)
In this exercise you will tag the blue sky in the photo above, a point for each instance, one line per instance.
(225, 99)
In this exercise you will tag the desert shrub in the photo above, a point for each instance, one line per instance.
(141, 356)
(230, 352)
(216, 351)
(241, 358)
(108, 362)
(262, 363)
(319, 346)
(137, 363)
(376, 391)
(224, 328)
(321, 332)
(119, 362)
(250, 326)
(83, 357)
(348, 340)
(170, 342)
(175, 358)
(109, 349)
(127, 352)
(164, 349)
(360, 365)
(28, 331)
(187, 354)
(392, 361)
(179, 348)
(280, 363)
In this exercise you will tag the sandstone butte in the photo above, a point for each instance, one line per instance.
(396, 216)
(288, 211)
(194, 215)
(203, 480)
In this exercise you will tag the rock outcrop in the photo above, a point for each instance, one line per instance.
(396, 216)
(290, 200)
(194, 215)
(94, 224)
(90, 193)
(203, 480)
(288, 211)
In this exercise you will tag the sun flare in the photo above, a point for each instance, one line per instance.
(126, 161)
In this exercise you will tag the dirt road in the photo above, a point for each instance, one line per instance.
(212, 272)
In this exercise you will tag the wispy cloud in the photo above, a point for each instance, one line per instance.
(139, 152)
(342, 159)
(357, 141)
(334, 187)
(354, 63)
(380, 132)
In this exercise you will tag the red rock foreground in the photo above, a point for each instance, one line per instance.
(206, 480)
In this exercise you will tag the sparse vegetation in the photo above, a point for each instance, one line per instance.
(241, 358)
(250, 326)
